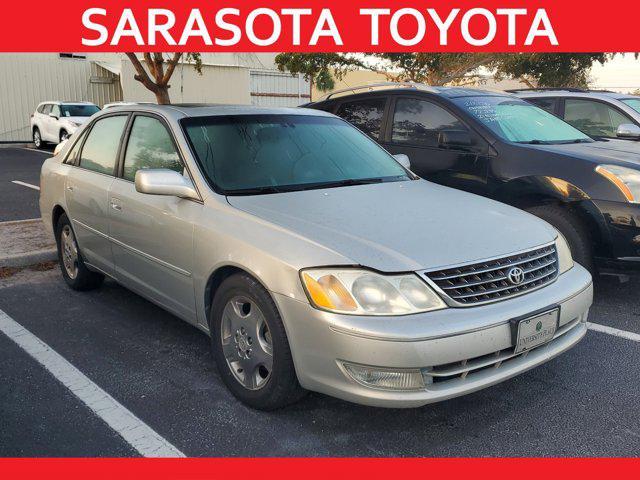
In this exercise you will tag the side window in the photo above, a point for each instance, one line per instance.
(101, 148)
(150, 146)
(548, 104)
(46, 109)
(593, 118)
(55, 109)
(364, 114)
(418, 122)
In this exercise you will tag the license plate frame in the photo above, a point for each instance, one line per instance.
(535, 330)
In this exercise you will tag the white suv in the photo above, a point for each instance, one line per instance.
(54, 122)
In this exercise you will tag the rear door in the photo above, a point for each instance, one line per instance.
(366, 114)
(87, 190)
(152, 235)
(417, 127)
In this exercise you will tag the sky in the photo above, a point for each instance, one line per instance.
(622, 74)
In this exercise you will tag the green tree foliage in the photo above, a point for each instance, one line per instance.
(550, 69)
(533, 69)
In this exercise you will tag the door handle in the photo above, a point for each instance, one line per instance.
(70, 188)
(116, 205)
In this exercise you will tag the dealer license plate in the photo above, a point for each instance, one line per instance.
(537, 330)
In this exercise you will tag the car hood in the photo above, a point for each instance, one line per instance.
(79, 120)
(619, 152)
(401, 226)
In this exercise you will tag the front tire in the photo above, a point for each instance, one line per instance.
(64, 136)
(573, 229)
(74, 271)
(250, 345)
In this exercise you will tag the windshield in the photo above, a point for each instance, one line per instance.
(518, 121)
(78, 110)
(633, 103)
(252, 154)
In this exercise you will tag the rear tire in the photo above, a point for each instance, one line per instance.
(37, 138)
(74, 271)
(573, 229)
(250, 345)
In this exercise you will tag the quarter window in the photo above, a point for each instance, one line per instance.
(150, 146)
(594, 118)
(418, 122)
(364, 114)
(548, 104)
(101, 148)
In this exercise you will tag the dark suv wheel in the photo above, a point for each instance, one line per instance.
(573, 229)
(250, 345)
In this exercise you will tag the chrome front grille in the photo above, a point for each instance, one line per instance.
(489, 281)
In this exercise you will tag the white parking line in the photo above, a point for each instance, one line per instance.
(596, 327)
(133, 430)
(24, 184)
(45, 152)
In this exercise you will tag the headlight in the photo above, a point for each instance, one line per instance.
(362, 292)
(565, 260)
(627, 180)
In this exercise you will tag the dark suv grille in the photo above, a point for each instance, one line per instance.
(489, 281)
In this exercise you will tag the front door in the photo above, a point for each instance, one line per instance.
(87, 190)
(152, 235)
(421, 129)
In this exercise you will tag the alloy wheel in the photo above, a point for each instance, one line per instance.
(246, 343)
(69, 249)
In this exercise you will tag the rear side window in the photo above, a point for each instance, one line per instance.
(46, 109)
(418, 122)
(548, 104)
(150, 146)
(594, 118)
(364, 114)
(101, 147)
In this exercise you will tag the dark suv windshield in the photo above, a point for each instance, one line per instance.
(518, 121)
(78, 110)
(251, 154)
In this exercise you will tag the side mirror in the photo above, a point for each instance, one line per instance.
(454, 138)
(163, 181)
(53, 115)
(403, 160)
(628, 130)
(59, 147)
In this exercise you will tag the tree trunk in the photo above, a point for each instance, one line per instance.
(162, 95)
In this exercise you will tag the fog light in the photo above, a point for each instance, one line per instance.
(385, 378)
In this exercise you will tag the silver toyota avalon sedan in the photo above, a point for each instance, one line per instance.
(313, 258)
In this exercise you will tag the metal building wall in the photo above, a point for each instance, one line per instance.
(27, 79)
(227, 84)
(271, 88)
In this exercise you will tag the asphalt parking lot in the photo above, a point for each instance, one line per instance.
(160, 369)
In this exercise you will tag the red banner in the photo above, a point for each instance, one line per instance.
(320, 469)
(312, 25)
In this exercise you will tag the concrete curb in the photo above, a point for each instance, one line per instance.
(24, 243)
(28, 259)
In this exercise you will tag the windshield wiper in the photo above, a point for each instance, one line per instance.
(536, 142)
(256, 190)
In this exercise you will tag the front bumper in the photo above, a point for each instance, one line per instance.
(447, 343)
(621, 222)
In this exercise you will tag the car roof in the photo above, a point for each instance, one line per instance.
(601, 94)
(409, 87)
(182, 110)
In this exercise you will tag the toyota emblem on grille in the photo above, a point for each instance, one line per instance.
(516, 275)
